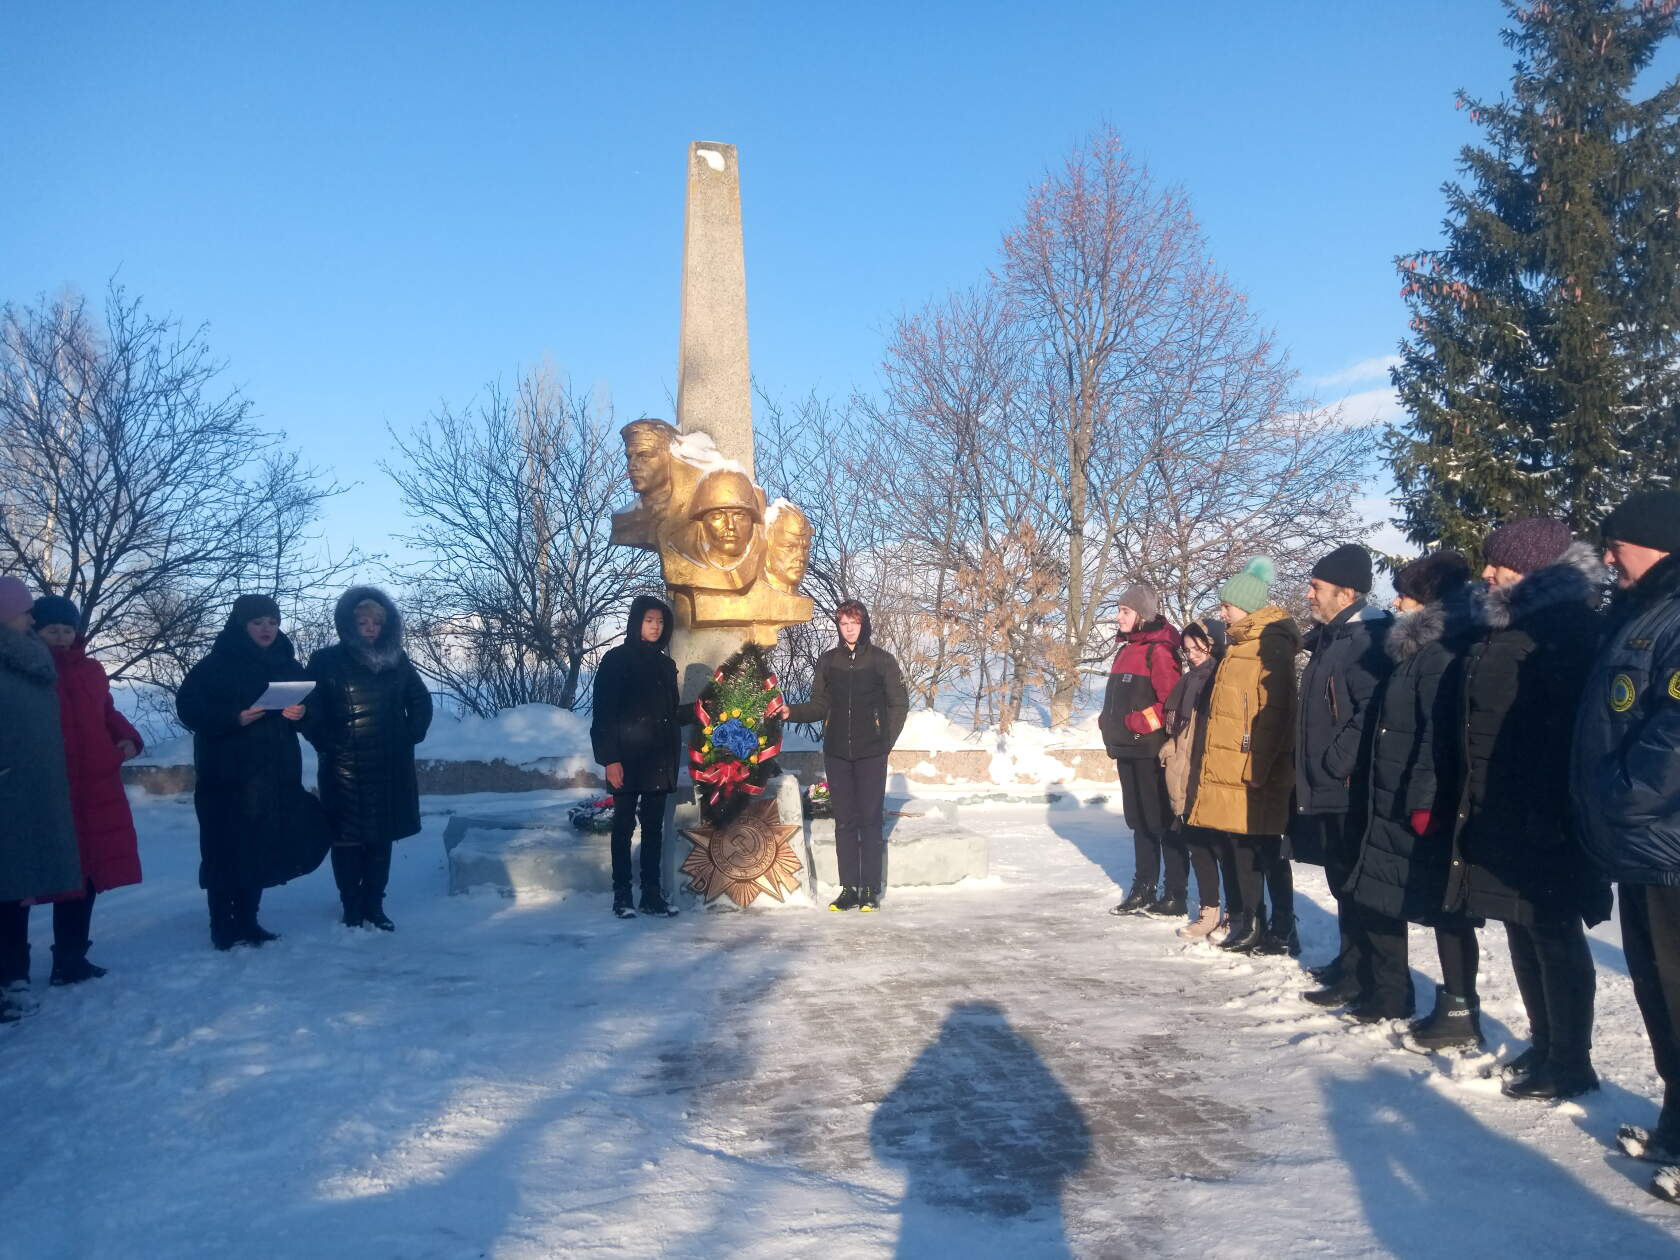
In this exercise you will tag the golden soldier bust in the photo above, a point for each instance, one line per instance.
(727, 559)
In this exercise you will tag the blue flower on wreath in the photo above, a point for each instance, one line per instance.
(734, 738)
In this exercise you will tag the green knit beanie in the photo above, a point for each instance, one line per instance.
(1252, 588)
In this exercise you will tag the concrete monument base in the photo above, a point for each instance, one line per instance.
(926, 846)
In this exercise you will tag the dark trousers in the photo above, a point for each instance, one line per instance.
(1202, 848)
(628, 809)
(1554, 970)
(361, 872)
(1148, 810)
(1244, 861)
(857, 793)
(1455, 942)
(71, 921)
(1651, 942)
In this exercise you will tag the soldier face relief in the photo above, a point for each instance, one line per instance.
(728, 531)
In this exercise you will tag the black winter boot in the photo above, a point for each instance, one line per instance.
(654, 903)
(1529, 1060)
(376, 874)
(1280, 937)
(1455, 1021)
(847, 900)
(1344, 992)
(1553, 1080)
(1168, 907)
(71, 966)
(348, 867)
(869, 900)
(623, 906)
(1246, 932)
(246, 903)
(224, 928)
(1137, 897)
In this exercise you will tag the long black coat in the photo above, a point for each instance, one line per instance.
(1340, 690)
(257, 826)
(1516, 840)
(859, 697)
(1415, 759)
(638, 715)
(369, 709)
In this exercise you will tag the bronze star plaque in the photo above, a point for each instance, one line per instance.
(743, 858)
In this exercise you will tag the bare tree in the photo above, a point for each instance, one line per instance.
(139, 486)
(510, 501)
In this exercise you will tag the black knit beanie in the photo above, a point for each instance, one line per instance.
(1527, 545)
(1349, 565)
(55, 610)
(1429, 579)
(247, 608)
(1650, 518)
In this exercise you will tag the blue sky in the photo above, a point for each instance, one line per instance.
(375, 206)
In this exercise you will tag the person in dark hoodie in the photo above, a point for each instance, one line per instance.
(1185, 725)
(257, 827)
(1407, 853)
(1142, 677)
(1518, 858)
(858, 694)
(1340, 690)
(636, 734)
(369, 709)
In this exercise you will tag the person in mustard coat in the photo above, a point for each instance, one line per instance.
(1247, 771)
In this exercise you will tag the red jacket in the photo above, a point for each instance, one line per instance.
(92, 728)
(1150, 651)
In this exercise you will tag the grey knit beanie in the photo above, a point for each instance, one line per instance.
(1142, 601)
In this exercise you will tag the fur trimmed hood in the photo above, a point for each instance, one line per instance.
(385, 651)
(1577, 577)
(27, 657)
(1414, 631)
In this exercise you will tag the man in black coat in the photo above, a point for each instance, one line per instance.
(637, 724)
(858, 694)
(1626, 784)
(369, 709)
(1340, 692)
(257, 827)
(1517, 854)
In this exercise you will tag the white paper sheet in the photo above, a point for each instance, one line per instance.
(283, 695)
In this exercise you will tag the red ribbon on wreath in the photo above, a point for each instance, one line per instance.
(723, 778)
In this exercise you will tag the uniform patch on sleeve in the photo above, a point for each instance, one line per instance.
(1674, 685)
(1622, 693)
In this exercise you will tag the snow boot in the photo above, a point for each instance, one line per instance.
(1137, 897)
(1373, 1010)
(246, 903)
(376, 873)
(1280, 937)
(71, 966)
(847, 900)
(1666, 1183)
(1246, 932)
(1331, 972)
(654, 903)
(869, 900)
(1455, 1022)
(1204, 923)
(349, 867)
(1344, 992)
(1651, 1145)
(224, 931)
(1168, 906)
(1552, 1081)
(1530, 1060)
(623, 907)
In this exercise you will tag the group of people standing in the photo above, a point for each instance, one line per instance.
(1495, 750)
(70, 835)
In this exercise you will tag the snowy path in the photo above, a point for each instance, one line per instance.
(996, 1070)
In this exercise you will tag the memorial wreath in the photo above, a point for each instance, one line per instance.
(737, 734)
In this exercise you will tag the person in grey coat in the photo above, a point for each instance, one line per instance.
(38, 854)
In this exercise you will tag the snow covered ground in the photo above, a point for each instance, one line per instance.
(999, 1069)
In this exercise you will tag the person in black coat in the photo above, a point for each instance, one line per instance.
(1340, 690)
(635, 732)
(257, 827)
(1517, 855)
(1407, 852)
(369, 709)
(858, 694)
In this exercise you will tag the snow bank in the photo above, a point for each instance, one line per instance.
(518, 736)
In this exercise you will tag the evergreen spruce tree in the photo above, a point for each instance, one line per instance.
(1543, 373)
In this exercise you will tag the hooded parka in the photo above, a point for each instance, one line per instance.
(639, 716)
(1247, 769)
(1415, 765)
(1339, 688)
(369, 710)
(859, 697)
(38, 855)
(105, 837)
(1517, 856)
(257, 826)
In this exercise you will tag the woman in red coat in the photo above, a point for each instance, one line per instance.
(97, 740)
